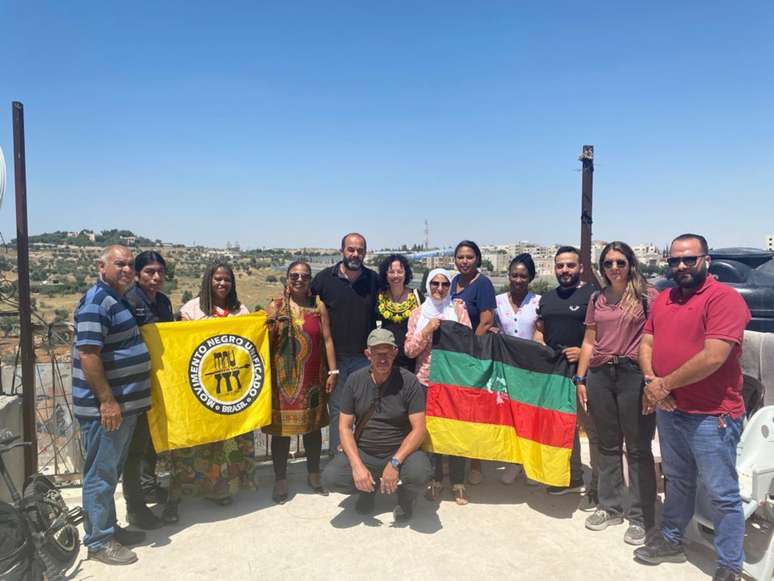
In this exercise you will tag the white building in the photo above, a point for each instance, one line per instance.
(499, 260)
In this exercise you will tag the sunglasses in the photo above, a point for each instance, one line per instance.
(300, 276)
(612, 263)
(689, 261)
(436, 284)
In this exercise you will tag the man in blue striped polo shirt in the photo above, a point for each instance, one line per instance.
(111, 385)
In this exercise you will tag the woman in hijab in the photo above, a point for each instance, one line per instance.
(424, 320)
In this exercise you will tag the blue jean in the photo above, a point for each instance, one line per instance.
(703, 446)
(105, 453)
(346, 364)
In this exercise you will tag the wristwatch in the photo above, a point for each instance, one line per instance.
(576, 379)
(395, 463)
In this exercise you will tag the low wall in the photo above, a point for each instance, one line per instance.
(11, 419)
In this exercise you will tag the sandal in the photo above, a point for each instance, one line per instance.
(314, 481)
(459, 494)
(170, 514)
(280, 492)
(434, 490)
(222, 501)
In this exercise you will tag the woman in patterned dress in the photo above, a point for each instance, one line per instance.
(218, 470)
(301, 355)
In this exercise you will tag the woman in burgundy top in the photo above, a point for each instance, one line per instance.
(613, 392)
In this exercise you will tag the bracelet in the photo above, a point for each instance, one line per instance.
(333, 372)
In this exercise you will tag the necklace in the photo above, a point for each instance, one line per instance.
(394, 312)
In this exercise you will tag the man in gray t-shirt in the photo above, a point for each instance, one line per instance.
(385, 405)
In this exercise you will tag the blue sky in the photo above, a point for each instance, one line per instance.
(289, 123)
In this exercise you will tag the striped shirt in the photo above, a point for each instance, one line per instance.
(103, 319)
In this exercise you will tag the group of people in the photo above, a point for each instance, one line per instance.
(352, 348)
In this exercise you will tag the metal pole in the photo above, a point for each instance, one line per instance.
(587, 194)
(25, 306)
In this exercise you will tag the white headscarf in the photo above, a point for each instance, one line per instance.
(436, 309)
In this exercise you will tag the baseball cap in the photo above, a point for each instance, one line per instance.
(381, 337)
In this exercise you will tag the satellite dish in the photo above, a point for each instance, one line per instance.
(2, 177)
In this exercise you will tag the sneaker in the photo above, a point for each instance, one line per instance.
(510, 473)
(588, 502)
(573, 487)
(726, 574)
(475, 476)
(365, 503)
(635, 535)
(126, 537)
(143, 518)
(601, 519)
(113, 553)
(659, 550)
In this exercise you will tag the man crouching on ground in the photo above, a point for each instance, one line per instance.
(386, 405)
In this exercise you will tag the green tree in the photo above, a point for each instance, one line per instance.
(187, 296)
(6, 325)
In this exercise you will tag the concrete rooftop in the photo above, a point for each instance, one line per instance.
(506, 532)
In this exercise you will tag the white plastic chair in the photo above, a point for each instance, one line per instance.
(755, 465)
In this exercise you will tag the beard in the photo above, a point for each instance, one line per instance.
(352, 263)
(692, 279)
(569, 281)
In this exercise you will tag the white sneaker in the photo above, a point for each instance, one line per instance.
(510, 473)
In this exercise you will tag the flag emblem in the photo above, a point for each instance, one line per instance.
(226, 373)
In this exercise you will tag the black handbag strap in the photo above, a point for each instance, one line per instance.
(367, 416)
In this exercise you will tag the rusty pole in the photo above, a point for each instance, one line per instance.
(25, 304)
(587, 194)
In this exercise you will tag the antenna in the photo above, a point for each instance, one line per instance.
(427, 235)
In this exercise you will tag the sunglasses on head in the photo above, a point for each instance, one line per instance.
(612, 263)
(436, 284)
(300, 276)
(689, 261)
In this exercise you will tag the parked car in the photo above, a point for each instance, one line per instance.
(751, 272)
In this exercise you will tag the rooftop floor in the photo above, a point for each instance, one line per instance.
(506, 532)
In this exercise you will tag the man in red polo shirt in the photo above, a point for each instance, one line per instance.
(689, 355)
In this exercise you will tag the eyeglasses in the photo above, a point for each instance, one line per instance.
(612, 263)
(436, 284)
(689, 261)
(300, 276)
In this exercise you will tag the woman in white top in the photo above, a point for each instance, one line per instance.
(516, 312)
(516, 315)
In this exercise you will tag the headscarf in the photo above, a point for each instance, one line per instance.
(436, 309)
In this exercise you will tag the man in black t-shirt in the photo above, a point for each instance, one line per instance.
(348, 290)
(386, 406)
(562, 313)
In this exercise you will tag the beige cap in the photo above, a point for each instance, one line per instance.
(381, 337)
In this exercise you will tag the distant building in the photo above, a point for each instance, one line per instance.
(648, 254)
(500, 260)
(439, 262)
(129, 240)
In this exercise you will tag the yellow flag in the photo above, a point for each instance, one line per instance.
(210, 380)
